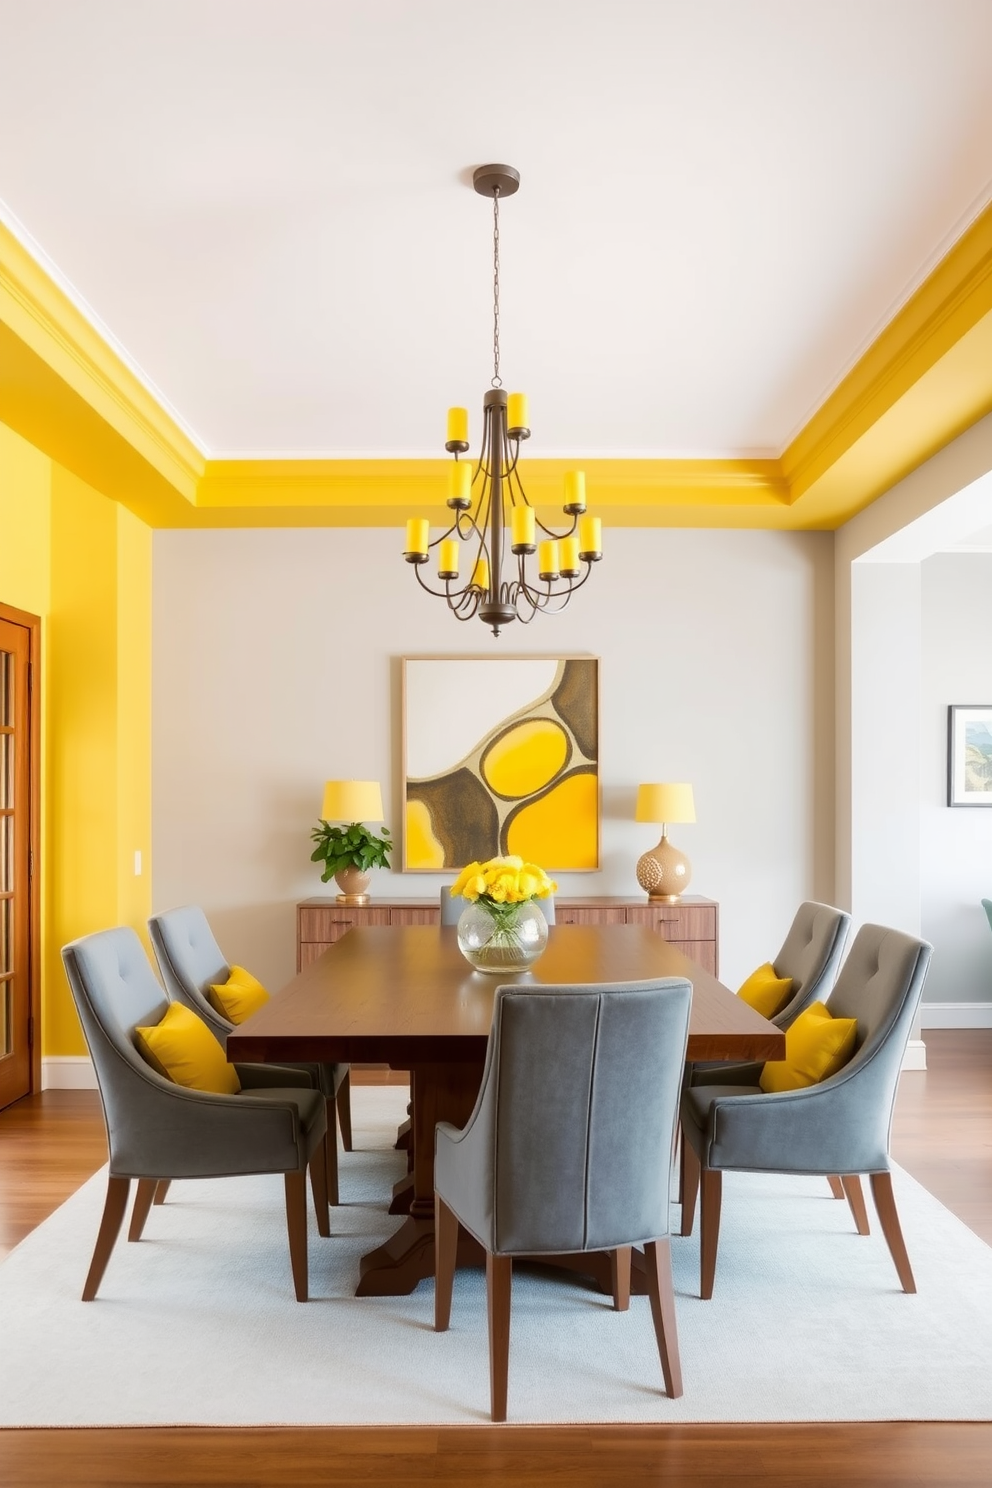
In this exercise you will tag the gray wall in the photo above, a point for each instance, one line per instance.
(955, 844)
(275, 667)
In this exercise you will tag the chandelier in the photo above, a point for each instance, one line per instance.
(491, 505)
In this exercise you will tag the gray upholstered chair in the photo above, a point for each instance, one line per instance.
(157, 1130)
(811, 955)
(840, 1126)
(580, 1162)
(191, 961)
(451, 908)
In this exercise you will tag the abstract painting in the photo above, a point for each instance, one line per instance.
(969, 754)
(500, 756)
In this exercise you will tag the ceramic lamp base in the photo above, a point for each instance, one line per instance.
(664, 872)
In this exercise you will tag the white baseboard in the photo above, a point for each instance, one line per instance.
(915, 1057)
(67, 1072)
(956, 1015)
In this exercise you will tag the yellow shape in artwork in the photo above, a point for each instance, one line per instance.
(560, 830)
(422, 848)
(525, 758)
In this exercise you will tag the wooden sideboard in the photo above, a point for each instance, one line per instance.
(691, 925)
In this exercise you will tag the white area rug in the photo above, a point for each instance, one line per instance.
(197, 1324)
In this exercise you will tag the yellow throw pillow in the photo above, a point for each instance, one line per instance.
(766, 992)
(817, 1045)
(183, 1049)
(238, 997)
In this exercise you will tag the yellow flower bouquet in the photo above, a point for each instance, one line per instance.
(503, 881)
(501, 929)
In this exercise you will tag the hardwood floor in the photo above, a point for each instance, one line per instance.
(51, 1143)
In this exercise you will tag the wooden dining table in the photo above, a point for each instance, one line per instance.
(405, 996)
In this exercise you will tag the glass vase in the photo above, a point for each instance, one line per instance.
(502, 937)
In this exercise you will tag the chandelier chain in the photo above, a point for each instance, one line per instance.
(497, 381)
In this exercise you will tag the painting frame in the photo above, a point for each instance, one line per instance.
(469, 788)
(969, 754)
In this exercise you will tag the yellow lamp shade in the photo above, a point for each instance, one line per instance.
(575, 488)
(522, 523)
(352, 801)
(570, 555)
(417, 535)
(480, 573)
(458, 425)
(590, 535)
(547, 560)
(665, 803)
(460, 481)
(448, 556)
(517, 412)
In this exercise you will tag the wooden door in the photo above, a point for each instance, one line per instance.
(16, 833)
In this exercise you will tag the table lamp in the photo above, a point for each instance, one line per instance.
(664, 872)
(354, 802)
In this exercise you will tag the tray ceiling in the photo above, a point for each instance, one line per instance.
(266, 208)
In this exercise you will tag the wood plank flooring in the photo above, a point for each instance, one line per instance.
(51, 1143)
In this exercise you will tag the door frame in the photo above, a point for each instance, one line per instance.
(32, 623)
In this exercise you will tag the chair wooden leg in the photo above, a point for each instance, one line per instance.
(620, 1275)
(318, 1184)
(162, 1188)
(331, 1156)
(147, 1188)
(856, 1198)
(885, 1204)
(296, 1223)
(709, 1223)
(499, 1278)
(110, 1227)
(445, 1256)
(689, 1185)
(343, 1103)
(836, 1186)
(658, 1256)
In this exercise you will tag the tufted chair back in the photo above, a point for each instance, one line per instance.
(190, 961)
(811, 956)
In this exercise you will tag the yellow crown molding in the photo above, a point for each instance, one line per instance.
(926, 378)
(43, 317)
(949, 305)
(384, 492)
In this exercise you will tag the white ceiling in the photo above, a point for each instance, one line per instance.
(264, 202)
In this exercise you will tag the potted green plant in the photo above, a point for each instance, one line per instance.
(348, 854)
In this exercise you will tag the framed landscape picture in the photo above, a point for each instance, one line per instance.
(500, 756)
(969, 754)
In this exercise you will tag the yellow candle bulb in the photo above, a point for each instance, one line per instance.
(570, 555)
(458, 425)
(590, 535)
(480, 573)
(517, 412)
(522, 523)
(460, 481)
(547, 559)
(575, 488)
(448, 556)
(417, 535)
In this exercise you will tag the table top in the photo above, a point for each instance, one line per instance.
(405, 995)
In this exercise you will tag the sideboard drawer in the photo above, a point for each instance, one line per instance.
(690, 925)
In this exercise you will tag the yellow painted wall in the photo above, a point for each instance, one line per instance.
(25, 523)
(134, 719)
(83, 563)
